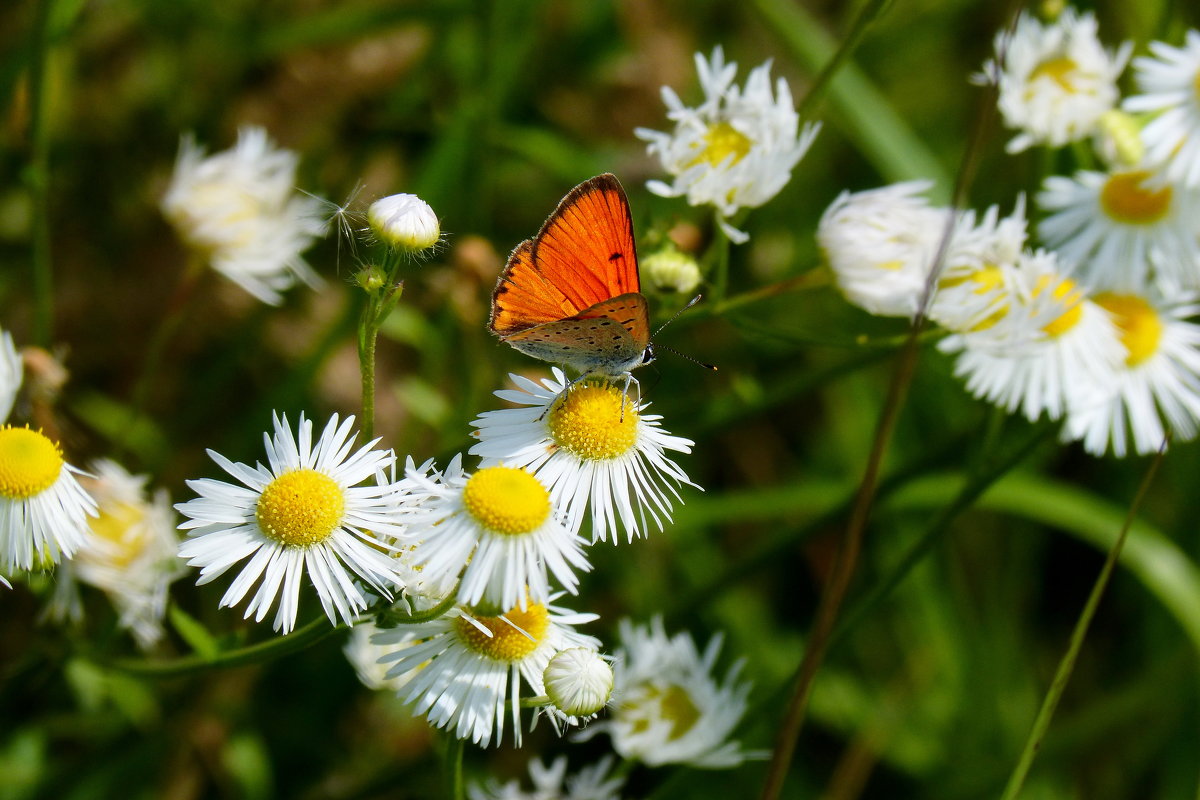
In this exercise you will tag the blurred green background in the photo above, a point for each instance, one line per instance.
(491, 111)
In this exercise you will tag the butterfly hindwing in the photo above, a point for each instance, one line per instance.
(627, 310)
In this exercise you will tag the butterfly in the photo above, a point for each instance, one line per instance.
(572, 294)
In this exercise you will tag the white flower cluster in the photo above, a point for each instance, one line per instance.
(1096, 329)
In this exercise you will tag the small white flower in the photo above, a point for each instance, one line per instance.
(241, 210)
(1043, 348)
(303, 513)
(131, 553)
(1122, 229)
(11, 374)
(553, 783)
(364, 655)
(591, 445)
(404, 221)
(469, 669)
(1055, 80)
(43, 509)
(1159, 380)
(1168, 82)
(498, 529)
(578, 681)
(735, 150)
(668, 708)
(881, 244)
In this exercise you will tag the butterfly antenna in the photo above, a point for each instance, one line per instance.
(686, 357)
(675, 316)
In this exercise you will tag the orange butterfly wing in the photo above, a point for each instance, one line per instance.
(583, 256)
(523, 297)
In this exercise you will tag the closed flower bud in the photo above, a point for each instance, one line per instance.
(578, 681)
(671, 270)
(405, 222)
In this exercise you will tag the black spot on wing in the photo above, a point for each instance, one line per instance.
(616, 256)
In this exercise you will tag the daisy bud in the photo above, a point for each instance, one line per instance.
(578, 681)
(370, 278)
(405, 222)
(671, 270)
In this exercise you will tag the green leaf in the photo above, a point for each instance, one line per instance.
(1161, 566)
(196, 635)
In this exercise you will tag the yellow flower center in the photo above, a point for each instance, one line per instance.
(587, 422)
(986, 279)
(1059, 70)
(506, 642)
(29, 463)
(115, 523)
(674, 705)
(1070, 296)
(506, 500)
(300, 508)
(1140, 326)
(721, 141)
(1125, 199)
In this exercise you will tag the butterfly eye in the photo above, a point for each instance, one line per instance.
(648, 354)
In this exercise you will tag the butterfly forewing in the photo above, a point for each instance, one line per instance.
(523, 297)
(586, 247)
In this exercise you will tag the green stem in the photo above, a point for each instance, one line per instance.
(720, 280)
(844, 566)
(262, 652)
(977, 484)
(454, 767)
(368, 333)
(392, 617)
(38, 176)
(1067, 665)
(868, 14)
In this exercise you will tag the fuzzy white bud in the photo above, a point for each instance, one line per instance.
(404, 221)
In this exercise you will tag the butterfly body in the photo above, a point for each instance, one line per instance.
(572, 294)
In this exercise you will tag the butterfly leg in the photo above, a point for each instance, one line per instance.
(625, 392)
(566, 390)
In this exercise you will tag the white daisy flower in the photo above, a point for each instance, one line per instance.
(1158, 380)
(553, 783)
(43, 509)
(668, 708)
(498, 529)
(470, 669)
(1121, 228)
(735, 150)
(1055, 80)
(131, 553)
(1045, 347)
(1168, 82)
(881, 244)
(303, 513)
(11, 374)
(591, 445)
(241, 210)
